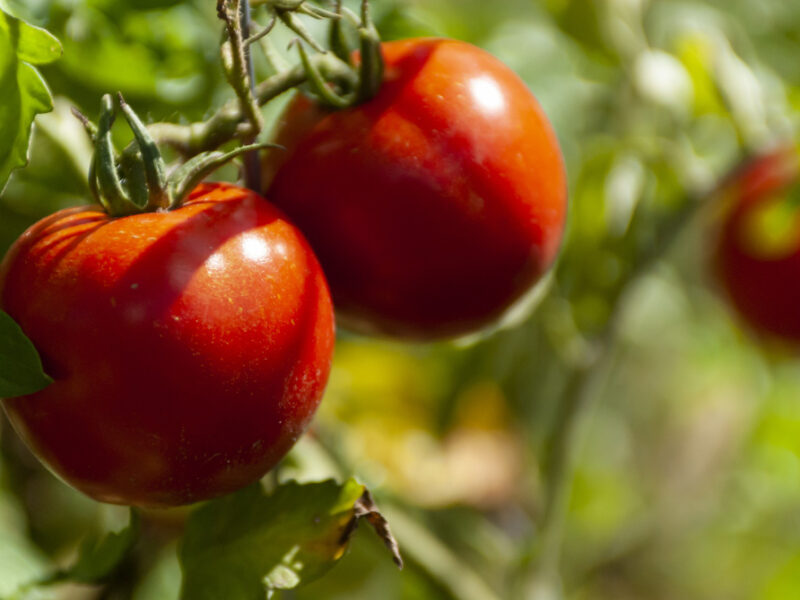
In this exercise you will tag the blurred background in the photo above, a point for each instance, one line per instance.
(687, 436)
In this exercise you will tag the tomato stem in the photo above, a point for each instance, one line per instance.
(292, 23)
(326, 94)
(276, 62)
(237, 67)
(154, 166)
(372, 65)
(331, 75)
(91, 128)
(224, 125)
(336, 39)
(255, 37)
(334, 69)
(111, 193)
(252, 164)
(192, 172)
(136, 181)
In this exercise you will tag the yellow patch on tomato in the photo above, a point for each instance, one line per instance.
(771, 230)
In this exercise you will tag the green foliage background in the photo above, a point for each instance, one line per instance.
(688, 467)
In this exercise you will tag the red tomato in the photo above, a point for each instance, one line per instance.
(434, 206)
(758, 252)
(189, 348)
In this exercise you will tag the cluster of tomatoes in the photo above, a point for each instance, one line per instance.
(189, 348)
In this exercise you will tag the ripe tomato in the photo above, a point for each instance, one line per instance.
(434, 206)
(758, 250)
(189, 348)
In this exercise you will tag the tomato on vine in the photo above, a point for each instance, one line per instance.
(758, 249)
(435, 205)
(190, 344)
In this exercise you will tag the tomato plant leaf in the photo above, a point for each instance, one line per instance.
(25, 94)
(249, 544)
(21, 370)
(101, 554)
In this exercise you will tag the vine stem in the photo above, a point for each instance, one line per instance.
(252, 164)
(226, 124)
(579, 396)
(234, 52)
(242, 118)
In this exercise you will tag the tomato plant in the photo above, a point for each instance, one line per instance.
(758, 253)
(434, 206)
(539, 460)
(189, 348)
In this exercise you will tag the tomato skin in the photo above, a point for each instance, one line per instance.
(189, 348)
(434, 206)
(762, 279)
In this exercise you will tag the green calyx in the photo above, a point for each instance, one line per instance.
(369, 73)
(372, 66)
(137, 180)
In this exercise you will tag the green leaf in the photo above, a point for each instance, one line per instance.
(25, 93)
(248, 544)
(27, 10)
(100, 555)
(21, 370)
